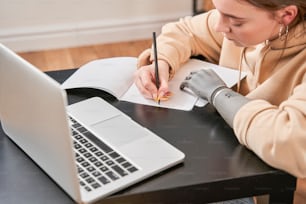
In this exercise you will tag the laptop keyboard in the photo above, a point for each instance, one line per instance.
(97, 163)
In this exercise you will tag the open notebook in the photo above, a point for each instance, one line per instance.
(90, 148)
(115, 76)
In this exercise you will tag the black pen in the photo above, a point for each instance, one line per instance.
(157, 83)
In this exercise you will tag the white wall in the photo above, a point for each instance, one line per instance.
(27, 25)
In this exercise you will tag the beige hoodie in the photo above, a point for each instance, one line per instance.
(273, 125)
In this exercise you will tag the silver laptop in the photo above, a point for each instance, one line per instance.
(90, 148)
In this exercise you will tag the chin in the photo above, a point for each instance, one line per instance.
(239, 44)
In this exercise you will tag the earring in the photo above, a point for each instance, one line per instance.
(283, 32)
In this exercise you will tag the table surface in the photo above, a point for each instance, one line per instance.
(216, 166)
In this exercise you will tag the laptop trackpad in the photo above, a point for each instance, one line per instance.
(119, 130)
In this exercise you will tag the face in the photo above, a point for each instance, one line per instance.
(245, 24)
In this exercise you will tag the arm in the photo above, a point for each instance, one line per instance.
(177, 42)
(190, 36)
(277, 134)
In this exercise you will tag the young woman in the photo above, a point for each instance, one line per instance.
(266, 39)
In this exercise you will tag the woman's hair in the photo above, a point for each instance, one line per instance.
(273, 5)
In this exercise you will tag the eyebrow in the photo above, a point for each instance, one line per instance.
(232, 16)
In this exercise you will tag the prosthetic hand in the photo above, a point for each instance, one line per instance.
(204, 83)
(208, 85)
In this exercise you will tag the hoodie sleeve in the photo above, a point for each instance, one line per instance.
(190, 36)
(277, 134)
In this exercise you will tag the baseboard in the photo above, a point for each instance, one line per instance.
(60, 36)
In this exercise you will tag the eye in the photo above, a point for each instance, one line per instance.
(237, 24)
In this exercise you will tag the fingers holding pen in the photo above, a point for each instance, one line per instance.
(163, 92)
(144, 79)
(163, 89)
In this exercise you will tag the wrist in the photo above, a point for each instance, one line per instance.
(215, 93)
(165, 66)
(228, 102)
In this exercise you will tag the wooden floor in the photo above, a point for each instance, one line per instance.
(67, 58)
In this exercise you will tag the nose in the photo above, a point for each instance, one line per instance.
(222, 25)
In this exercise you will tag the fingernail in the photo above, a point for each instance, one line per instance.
(160, 95)
(154, 96)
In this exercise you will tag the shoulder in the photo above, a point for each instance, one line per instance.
(208, 19)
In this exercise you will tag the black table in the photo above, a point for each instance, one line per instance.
(216, 167)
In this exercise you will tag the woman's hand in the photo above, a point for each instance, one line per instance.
(144, 79)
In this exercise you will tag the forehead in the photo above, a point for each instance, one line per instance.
(238, 9)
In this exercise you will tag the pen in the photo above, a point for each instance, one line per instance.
(156, 65)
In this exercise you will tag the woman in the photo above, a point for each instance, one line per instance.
(266, 39)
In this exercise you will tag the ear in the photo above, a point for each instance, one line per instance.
(287, 14)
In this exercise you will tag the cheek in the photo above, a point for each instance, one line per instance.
(252, 35)
(244, 36)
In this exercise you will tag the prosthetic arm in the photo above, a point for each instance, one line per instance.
(209, 86)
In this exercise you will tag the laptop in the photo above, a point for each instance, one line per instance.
(90, 149)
